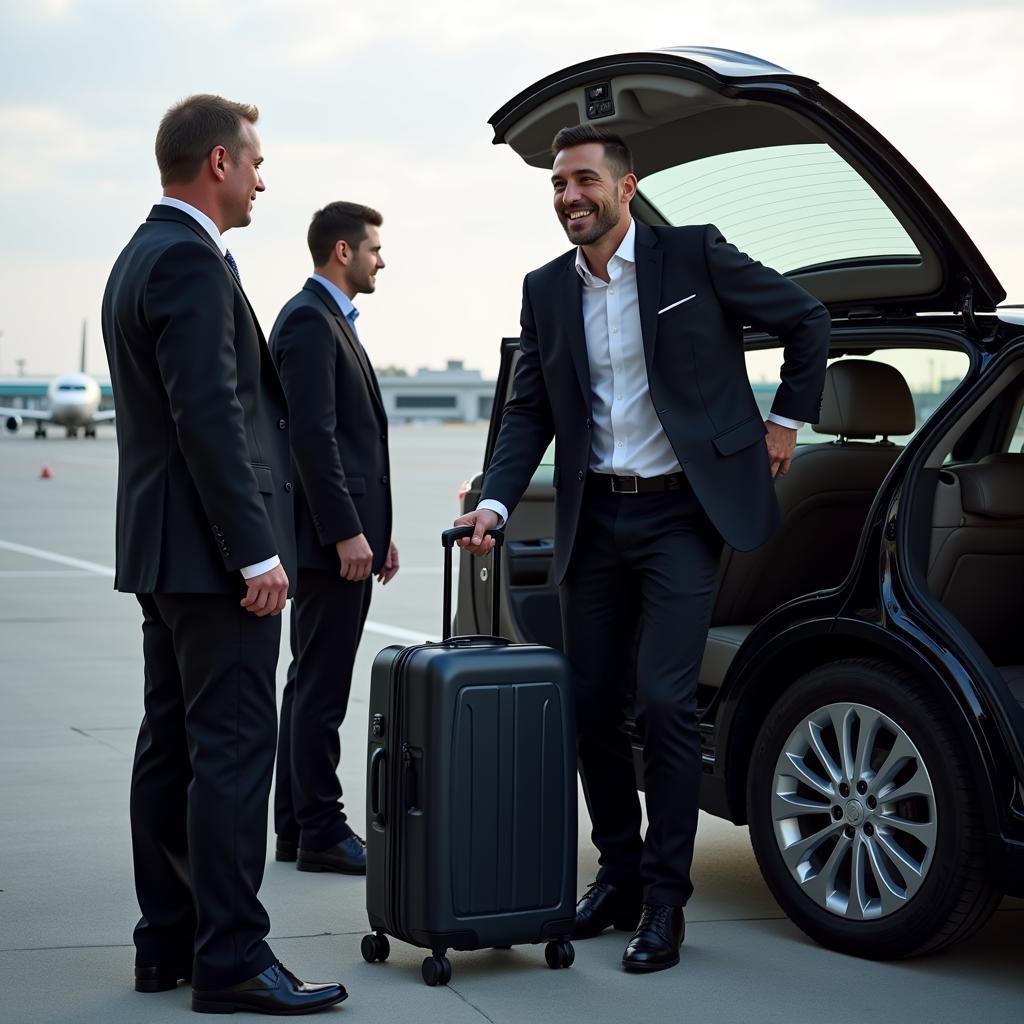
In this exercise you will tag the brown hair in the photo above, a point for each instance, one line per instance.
(337, 221)
(192, 128)
(616, 153)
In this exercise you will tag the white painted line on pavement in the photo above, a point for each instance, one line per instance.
(409, 635)
(52, 556)
(398, 633)
(44, 574)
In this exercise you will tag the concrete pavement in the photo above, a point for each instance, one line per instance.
(70, 702)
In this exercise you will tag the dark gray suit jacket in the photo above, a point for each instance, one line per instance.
(339, 430)
(696, 373)
(202, 486)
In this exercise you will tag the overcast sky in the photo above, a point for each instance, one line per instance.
(387, 103)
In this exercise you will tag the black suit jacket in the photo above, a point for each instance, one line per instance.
(696, 374)
(202, 487)
(339, 430)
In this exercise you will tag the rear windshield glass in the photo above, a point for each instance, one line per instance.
(791, 207)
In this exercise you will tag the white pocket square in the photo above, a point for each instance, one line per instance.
(672, 305)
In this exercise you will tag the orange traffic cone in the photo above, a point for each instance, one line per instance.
(45, 473)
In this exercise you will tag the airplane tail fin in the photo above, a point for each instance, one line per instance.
(82, 366)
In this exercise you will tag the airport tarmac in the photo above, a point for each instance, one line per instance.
(71, 692)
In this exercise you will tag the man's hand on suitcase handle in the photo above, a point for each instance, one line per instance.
(356, 557)
(482, 520)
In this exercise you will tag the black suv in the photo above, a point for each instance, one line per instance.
(863, 680)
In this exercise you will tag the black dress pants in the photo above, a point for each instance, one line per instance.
(328, 614)
(645, 562)
(200, 786)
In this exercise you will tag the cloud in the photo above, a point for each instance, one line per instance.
(387, 103)
(50, 148)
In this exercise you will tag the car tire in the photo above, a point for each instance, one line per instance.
(862, 873)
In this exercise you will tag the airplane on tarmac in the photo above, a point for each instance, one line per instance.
(74, 405)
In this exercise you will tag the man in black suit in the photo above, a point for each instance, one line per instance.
(632, 358)
(205, 541)
(343, 526)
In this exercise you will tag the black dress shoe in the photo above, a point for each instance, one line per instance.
(161, 978)
(275, 991)
(604, 906)
(656, 941)
(347, 857)
(286, 850)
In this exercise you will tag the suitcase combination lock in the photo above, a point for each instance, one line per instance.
(377, 726)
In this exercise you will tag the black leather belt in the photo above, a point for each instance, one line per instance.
(639, 484)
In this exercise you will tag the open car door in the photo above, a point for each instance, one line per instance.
(529, 602)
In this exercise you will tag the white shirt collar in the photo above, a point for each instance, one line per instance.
(626, 251)
(345, 304)
(197, 215)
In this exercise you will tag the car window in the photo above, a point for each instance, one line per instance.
(931, 374)
(791, 207)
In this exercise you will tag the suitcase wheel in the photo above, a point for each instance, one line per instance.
(559, 954)
(437, 970)
(375, 947)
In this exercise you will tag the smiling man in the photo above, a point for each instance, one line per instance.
(632, 359)
(204, 532)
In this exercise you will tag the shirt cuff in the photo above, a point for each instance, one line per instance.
(249, 571)
(494, 506)
(785, 421)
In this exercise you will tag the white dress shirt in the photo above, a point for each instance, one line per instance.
(248, 571)
(627, 438)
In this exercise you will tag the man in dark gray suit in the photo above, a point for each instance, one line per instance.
(205, 541)
(632, 359)
(343, 526)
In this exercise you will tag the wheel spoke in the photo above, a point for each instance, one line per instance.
(857, 907)
(902, 751)
(810, 778)
(891, 893)
(925, 831)
(900, 856)
(821, 887)
(867, 737)
(841, 723)
(796, 854)
(790, 805)
(916, 785)
(814, 738)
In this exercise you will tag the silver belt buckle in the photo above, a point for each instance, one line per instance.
(617, 489)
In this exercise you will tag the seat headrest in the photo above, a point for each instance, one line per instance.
(1010, 458)
(865, 399)
(992, 489)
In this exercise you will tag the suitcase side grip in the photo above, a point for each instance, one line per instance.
(377, 774)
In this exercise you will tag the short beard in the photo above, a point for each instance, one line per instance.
(603, 223)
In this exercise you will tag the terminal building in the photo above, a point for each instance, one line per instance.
(453, 394)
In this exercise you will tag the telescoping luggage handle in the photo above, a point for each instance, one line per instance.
(448, 539)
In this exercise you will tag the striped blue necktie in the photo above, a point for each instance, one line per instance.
(233, 265)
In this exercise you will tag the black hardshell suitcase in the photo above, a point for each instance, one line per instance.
(471, 795)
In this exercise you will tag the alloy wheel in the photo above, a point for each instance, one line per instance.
(854, 811)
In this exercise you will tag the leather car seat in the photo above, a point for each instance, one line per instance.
(824, 500)
(976, 563)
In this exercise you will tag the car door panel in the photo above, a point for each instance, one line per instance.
(529, 606)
